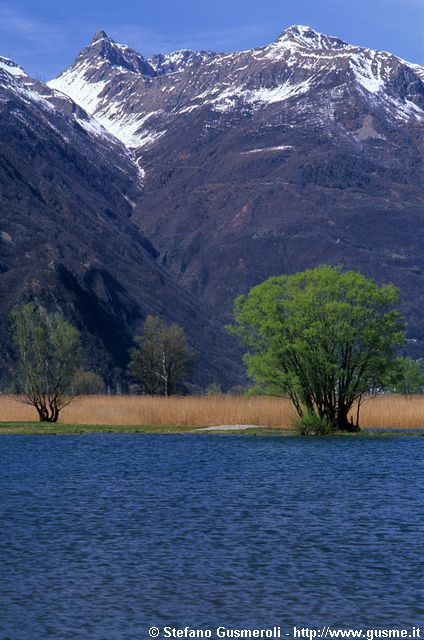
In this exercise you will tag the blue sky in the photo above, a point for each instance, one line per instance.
(44, 36)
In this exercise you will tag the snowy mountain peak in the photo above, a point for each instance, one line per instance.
(140, 100)
(104, 50)
(99, 36)
(306, 37)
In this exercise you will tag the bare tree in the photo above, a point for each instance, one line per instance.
(161, 360)
(49, 354)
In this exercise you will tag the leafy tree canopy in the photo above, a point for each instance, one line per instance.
(323, 337)
(406, 377)
(49, 353)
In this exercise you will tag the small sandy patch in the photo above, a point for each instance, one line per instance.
(232, 427)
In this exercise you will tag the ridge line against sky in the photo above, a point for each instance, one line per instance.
(46, 36)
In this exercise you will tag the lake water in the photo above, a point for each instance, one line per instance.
(103, 536)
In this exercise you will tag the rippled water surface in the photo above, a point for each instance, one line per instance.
(103, 536)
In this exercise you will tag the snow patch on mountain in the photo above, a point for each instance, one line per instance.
(405, 110)
(416, 68)
(280, 93)
(92, 126)
(283, 147)
(11, 67)
(226, 100)
(367, 72)
(178, 61)
(128, 130)
(231, 97)
(122, 128)
(15, 85)
(79, 87)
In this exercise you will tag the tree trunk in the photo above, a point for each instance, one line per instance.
(167, 394)
(47, 416)
(42, 413)
(54, 415)
(342, 422)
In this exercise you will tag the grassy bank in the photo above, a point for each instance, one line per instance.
(35, 428)
(179, 415)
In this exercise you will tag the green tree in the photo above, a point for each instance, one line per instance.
(49, 353)
(406, 377)
(323, 337)
(161, 360)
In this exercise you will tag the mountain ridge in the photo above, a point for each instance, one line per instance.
(92, 79)
(67, 238)
(235, 167)
(305, 151)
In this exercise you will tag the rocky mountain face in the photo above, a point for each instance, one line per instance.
(140, 99)
(68, 191)
(170, 184)
(303, 152)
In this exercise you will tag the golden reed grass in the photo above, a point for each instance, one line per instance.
(174, 411)
(380, 412)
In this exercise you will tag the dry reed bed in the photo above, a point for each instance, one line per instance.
(396, 412)
(381, 412)
(174, 411)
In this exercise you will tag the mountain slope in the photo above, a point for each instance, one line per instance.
(306, 151)
(66, 237)
(139, 99)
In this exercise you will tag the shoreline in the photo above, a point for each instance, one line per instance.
(59, 429)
